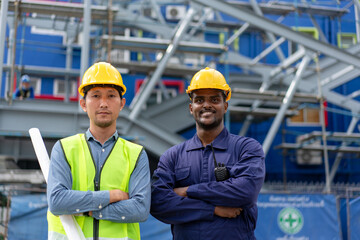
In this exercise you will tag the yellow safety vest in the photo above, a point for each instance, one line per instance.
(115, 174)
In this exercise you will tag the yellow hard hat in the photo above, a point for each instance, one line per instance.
(209, 78)
(102, 73)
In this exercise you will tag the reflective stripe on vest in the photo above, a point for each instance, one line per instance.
(115, 174)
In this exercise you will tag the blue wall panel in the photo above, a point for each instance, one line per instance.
(305, 216)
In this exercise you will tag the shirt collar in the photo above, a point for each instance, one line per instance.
(89, 136)
(220, 141)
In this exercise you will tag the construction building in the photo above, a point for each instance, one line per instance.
(293, 67)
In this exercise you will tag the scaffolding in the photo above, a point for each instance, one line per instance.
(104, 30)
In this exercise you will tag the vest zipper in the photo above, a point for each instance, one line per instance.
(97, 188)
(96, 229)
(96, 221)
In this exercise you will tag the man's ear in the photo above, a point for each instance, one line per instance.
(123, 101)
(83, 104)
(190, 108)
(226, 104)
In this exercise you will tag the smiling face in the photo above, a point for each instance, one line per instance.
(208, 108)
(102, 105)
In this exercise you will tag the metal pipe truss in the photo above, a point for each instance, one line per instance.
(334, 60)
(144, 95)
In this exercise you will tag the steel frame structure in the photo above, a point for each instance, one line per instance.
(335, 66)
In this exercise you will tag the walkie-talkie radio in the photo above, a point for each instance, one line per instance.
(221, 172)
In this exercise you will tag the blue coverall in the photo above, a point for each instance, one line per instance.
(191, 164)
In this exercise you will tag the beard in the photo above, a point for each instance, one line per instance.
(103, 124)
(216, 123)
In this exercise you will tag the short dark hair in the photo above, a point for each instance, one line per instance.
(223, 94)
(87, 88)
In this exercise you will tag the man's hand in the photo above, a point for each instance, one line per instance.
(227, 212)
(181, 191)
(118, 195)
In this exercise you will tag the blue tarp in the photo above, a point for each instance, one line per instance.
(297, 217)
(28, 221)
(28, 217)
(153, 229)
(355, 219)
(281, 217)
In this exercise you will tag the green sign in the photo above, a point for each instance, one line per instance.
(290, 220)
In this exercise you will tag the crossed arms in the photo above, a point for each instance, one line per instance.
(202, 201)
(114, 205)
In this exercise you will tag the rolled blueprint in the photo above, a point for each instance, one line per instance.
(71, 227)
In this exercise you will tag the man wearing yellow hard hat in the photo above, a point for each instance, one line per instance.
(97, 176)
(207, 186)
